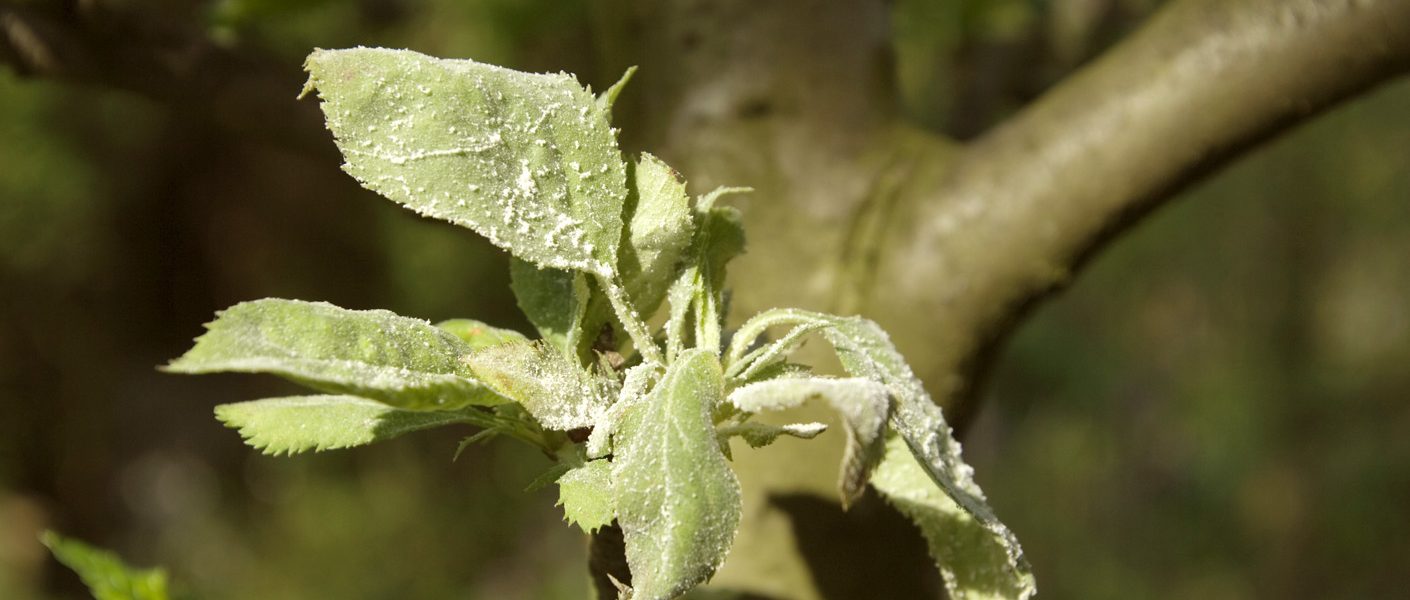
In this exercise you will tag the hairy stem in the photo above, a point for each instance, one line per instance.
(631, 321)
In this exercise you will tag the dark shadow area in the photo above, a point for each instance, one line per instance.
(886, 559)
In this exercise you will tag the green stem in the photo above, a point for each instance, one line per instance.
(636, 328)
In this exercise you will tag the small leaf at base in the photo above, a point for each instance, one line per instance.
(585, 493)
(297, 424)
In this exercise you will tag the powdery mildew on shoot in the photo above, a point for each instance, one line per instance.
(635, 383)
(866, 351)
(759, 435)
(863, 405)
(377, 354)
(677, 499)
(638, 435)
(974, 563)
(559, 393)
(527, 160)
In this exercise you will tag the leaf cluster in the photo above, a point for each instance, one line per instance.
(638, 420)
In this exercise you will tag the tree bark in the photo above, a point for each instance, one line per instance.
(948, 247)
(1021, 209)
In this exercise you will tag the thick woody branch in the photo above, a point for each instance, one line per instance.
(1014, 216)
(164, 60)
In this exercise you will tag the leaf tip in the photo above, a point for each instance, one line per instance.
(609, 97)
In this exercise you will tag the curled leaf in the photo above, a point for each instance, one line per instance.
(973, 562)
(758, 435)
(863, 405)
(866, 351)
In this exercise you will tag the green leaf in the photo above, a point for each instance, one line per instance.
(407, 363)
(723, 241)
(607, 99)
(681, 297)
(106, 576)
(697, 295)
(550, 475)
(555, 301)
(720, 241)
(585, 493)
(565, 307)
(300, 423)
(660, 228)
(866, 351)
(478, 335)
(862, 403)
(758, 435)
(558, 393)
(635, 383)
(529, 161)
(761, 360)
(973, 562)
(677, 500)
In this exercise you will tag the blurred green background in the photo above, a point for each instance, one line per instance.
(1217, 409)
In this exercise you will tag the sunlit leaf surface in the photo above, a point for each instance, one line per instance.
(678, 501)
(403, 362)
(526, 160)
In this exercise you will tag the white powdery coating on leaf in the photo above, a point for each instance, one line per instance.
(677, 499)
(863, 404)
(558, 393)
(398, 360)
(974, 563)
(527, 160)
(758, 435)
(866, 351)
(633, 392)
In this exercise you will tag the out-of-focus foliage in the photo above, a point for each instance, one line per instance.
(106, 576)
(1216, 409)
